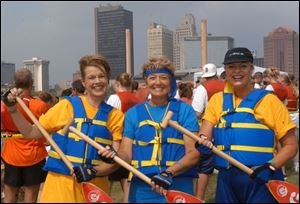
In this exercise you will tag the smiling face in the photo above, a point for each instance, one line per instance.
(159, 85)
(95, 81)
(239, 74)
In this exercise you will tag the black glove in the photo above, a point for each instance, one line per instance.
(84, 173)
(109, 160)
(206, 163)
(204, 150)
(5, 100)
(164, 179)
(263, 173)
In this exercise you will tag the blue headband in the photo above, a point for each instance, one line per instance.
(164, 70)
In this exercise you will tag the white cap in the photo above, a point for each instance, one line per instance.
(209, 70)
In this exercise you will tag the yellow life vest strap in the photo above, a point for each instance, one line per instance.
(55, 155)
(79, 122)
(224, 124)
(144, 163)
(247, 148)
(156, 153)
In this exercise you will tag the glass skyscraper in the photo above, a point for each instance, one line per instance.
(110, 25)
(217, 47)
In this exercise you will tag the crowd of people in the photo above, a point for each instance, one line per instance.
(253, 117)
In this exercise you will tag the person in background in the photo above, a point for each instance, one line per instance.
(258, 80)
(272, 79)
(47, 98)
(293, 108)
(123, 100)
(66, 92)
(185, 92)
(77, 88)
(247, 124)
(208, 87)
(164, 155)
(92, 116)
(223, 76)
(23, 158)
(135, 86)
(202, 95)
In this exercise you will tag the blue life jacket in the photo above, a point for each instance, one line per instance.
(77, 150)
(155, 148)
(240, 135)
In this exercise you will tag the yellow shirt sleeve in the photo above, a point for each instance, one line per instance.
(214, 108)
(270, 111)
(57, 117)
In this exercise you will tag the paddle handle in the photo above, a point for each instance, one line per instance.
(214, 149)
(116, 158)
(45, 134)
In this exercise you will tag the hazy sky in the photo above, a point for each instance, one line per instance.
(62, 32)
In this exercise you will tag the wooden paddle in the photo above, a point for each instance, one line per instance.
(172, 195)
(281, 190)
(90, 191)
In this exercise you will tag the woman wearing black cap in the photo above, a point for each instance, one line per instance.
(248, 125)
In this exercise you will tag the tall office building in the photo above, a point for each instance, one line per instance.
(111, 23)
(281, 49)
(40, 73)
(217, 47)
(159, 41)
(7, 73)
(187, 28)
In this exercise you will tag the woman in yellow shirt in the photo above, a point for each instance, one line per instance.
(247, 124)
(92, 116)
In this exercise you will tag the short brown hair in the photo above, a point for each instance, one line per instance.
(125, 79)
(23, 78)
(94, 60)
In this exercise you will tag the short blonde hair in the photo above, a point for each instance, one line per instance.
(272, 72)
(154, 63)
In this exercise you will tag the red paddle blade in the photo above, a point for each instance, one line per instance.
(181, 197)
(283, 191)
(94, 194)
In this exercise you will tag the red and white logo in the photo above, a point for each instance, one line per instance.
(179, 199)
(93, 196)
(282, 190)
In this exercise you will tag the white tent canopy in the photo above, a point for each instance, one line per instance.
(221, 69)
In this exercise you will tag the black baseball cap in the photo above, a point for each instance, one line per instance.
(238, 54)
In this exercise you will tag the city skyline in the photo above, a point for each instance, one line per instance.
(62, 32)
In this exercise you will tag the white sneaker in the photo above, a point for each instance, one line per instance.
(2, 195)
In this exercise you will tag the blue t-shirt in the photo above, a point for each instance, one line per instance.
(186, 118)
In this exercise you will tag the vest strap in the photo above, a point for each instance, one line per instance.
(55, 155)
(247, 148)
(145, 163)
(225, 124)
